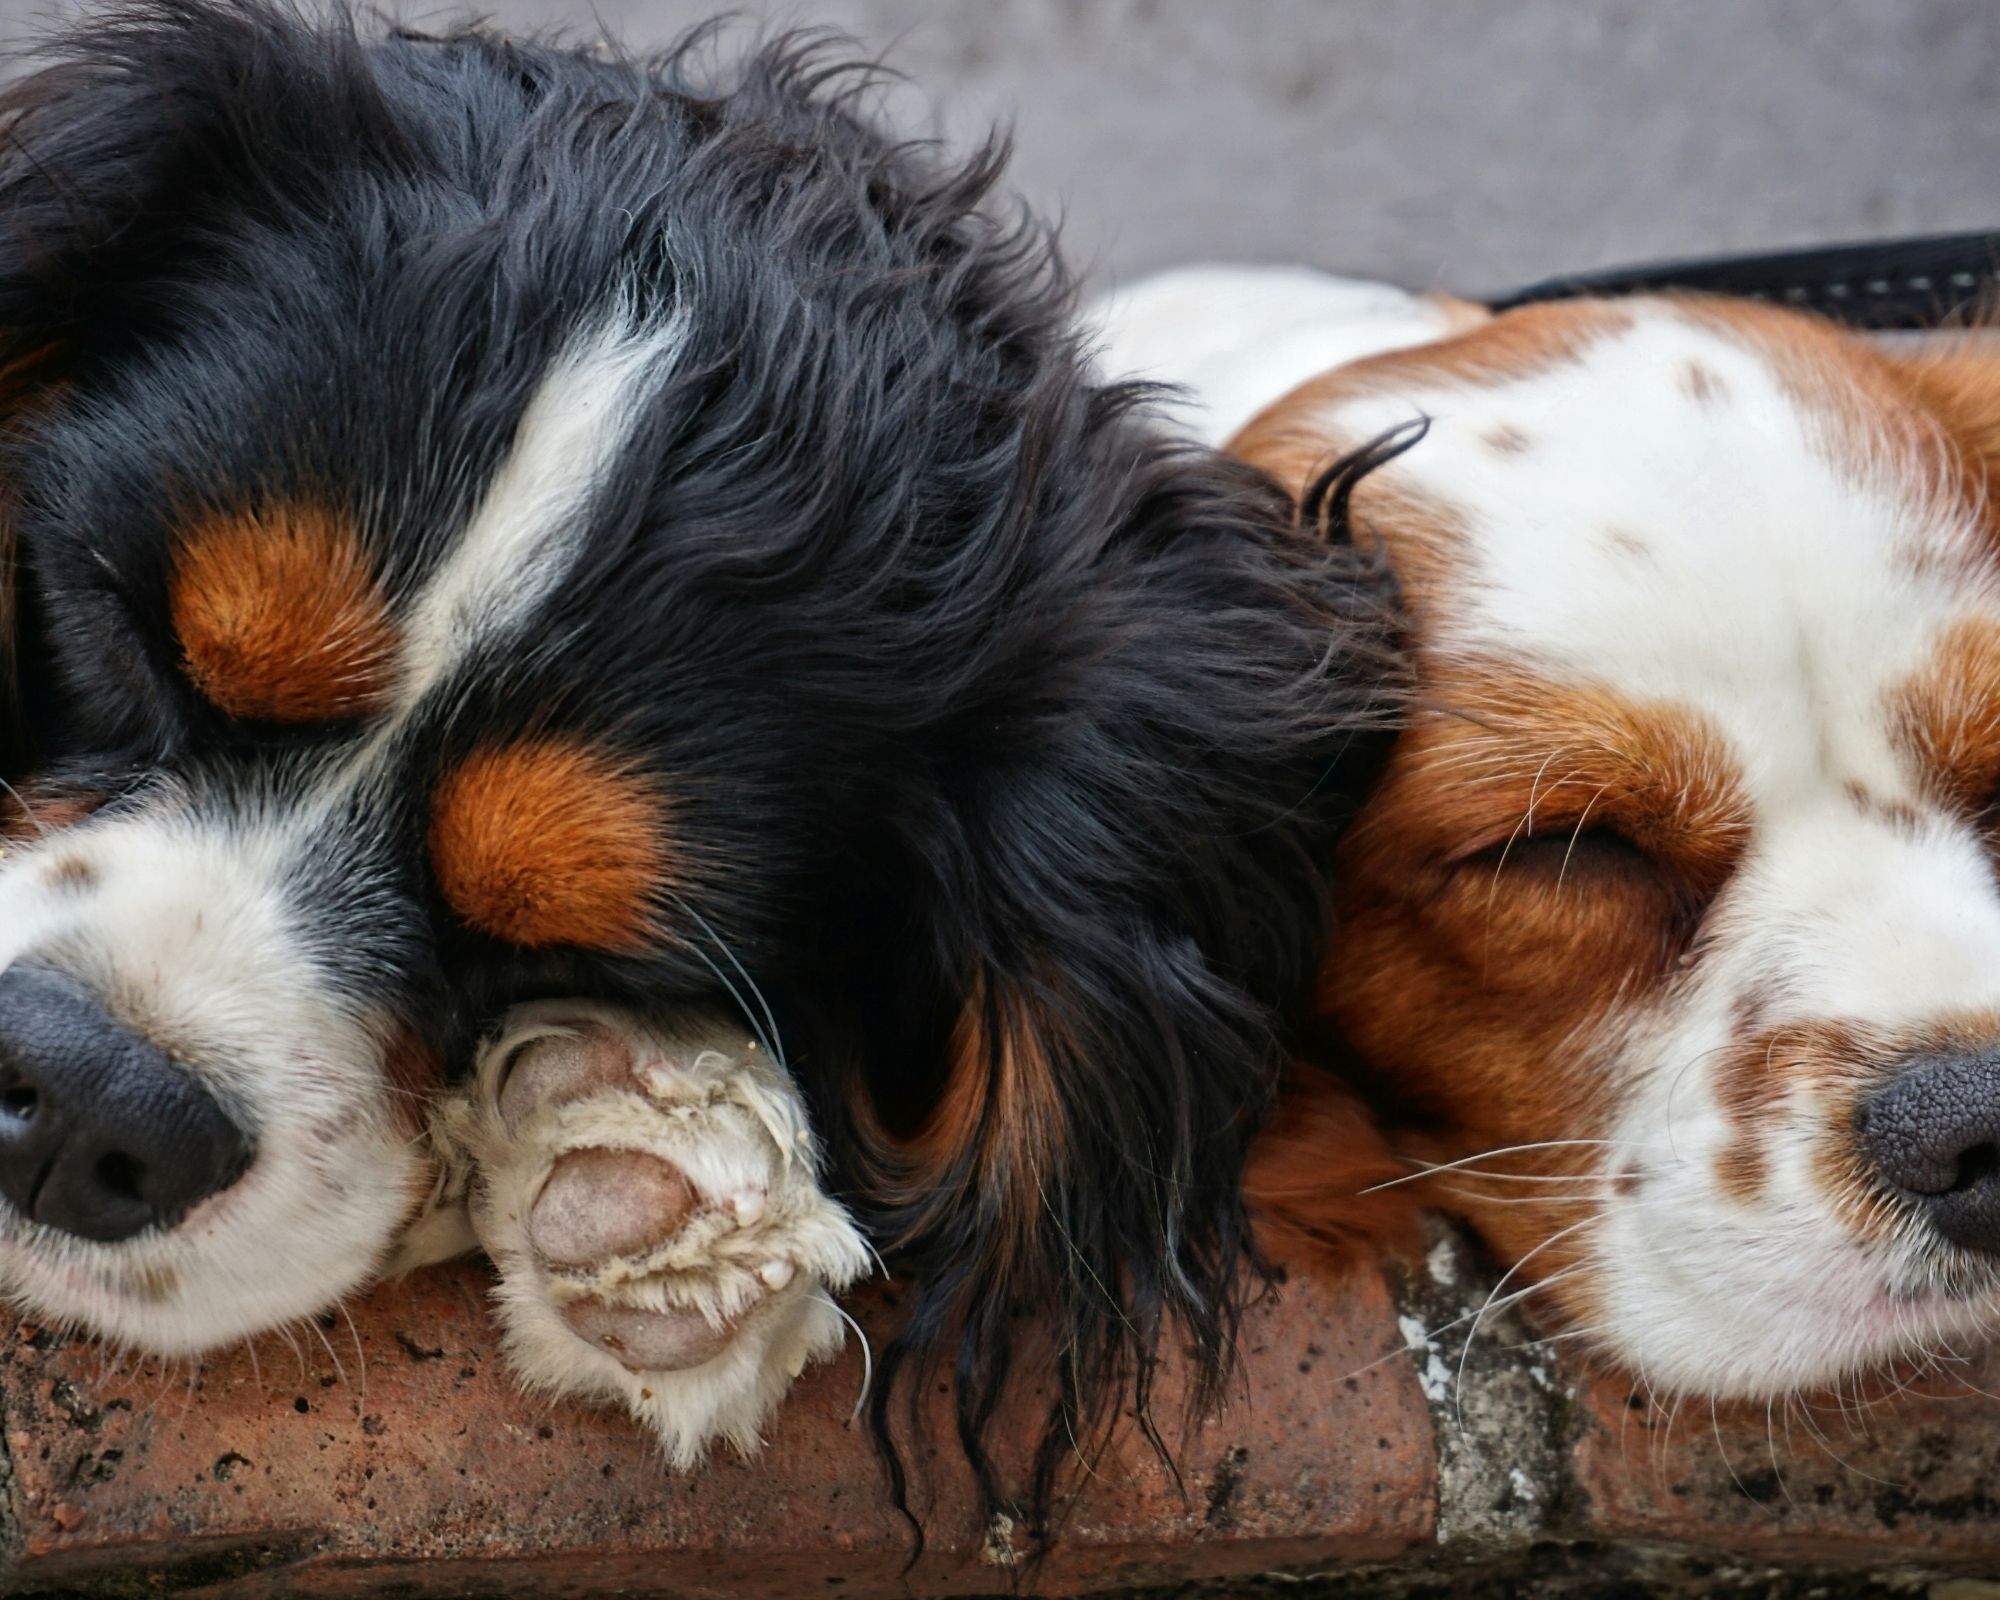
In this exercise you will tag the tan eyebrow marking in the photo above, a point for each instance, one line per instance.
(551, 841)
(280, 616)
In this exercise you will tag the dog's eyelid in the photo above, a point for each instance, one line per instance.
(1567, 833)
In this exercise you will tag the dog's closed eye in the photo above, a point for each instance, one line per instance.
(1596, 850)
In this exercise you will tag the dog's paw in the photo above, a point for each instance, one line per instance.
(652, 1203)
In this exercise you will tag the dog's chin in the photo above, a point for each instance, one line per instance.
(1816, 1318)
(288, 1240)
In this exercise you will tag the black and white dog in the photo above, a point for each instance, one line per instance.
(585, 641)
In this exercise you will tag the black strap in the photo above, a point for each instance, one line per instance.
(1890, 283)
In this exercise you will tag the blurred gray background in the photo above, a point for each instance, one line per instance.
(1469, 144)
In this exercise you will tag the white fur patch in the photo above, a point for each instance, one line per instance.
(1236, 338)
(528, 529)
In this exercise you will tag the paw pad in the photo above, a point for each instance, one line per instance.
(651, 1200)
(647, 1341)
(600, 1203)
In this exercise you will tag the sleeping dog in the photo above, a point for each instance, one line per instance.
(1670, 940)
(587, 656)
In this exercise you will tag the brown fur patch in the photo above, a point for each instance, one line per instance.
(1291, 438)
(1957, 388)
(1507, 441)
(1000, 1096)
(414, 1069)
(1946, 719)
(1627, 544)
(71, 872)
(1702, 384)
(1754, 1082)
(33, 807)
(1316, 1174)
(552, 842)
(281, 618)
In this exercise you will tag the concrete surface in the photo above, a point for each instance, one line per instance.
(1464, 143)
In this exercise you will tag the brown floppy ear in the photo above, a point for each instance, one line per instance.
(1323, 1186)
(1955, 378)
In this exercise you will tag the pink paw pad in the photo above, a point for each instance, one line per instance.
(647, 1341)
(560, 1068)
(600, 1203)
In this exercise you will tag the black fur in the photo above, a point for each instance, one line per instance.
(1001, 731)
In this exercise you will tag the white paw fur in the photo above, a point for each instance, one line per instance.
(651, 1201)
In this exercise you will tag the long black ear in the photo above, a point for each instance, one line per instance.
(75, 189)
(1172, 709)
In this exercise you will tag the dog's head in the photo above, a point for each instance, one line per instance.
(1673, 932)
(496, 524)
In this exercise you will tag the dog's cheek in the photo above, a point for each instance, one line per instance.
(413, 1069)
(1470, 1020)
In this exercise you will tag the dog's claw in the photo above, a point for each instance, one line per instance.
(659, 1239)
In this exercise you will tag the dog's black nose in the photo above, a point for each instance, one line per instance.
(101, 1134)
(1935, 1134)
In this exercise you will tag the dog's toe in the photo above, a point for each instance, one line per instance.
(647, 1341)
(650, 1198)
(599, 1203)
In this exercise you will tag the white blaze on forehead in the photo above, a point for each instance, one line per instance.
(1662, 516)
(530, 524)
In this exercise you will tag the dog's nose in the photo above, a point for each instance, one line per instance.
(1935, 1134)
(101, 1133)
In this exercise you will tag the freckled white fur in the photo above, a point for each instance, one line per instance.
(733, 1123)
(1743, 559)
(188, 937)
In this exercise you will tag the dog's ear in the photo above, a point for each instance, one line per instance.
(1955, 377)
(1323, 1184)
(1145, 813)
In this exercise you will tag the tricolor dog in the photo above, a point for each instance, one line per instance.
(587, 655)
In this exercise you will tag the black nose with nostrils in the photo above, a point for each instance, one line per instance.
(1935, 1134)
(101, 1133)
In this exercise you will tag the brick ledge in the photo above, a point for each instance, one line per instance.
(279, 1471)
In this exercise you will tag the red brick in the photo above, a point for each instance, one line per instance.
(1913, 1475)
(293, 1474)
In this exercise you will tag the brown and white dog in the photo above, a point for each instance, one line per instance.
(1672, 933)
